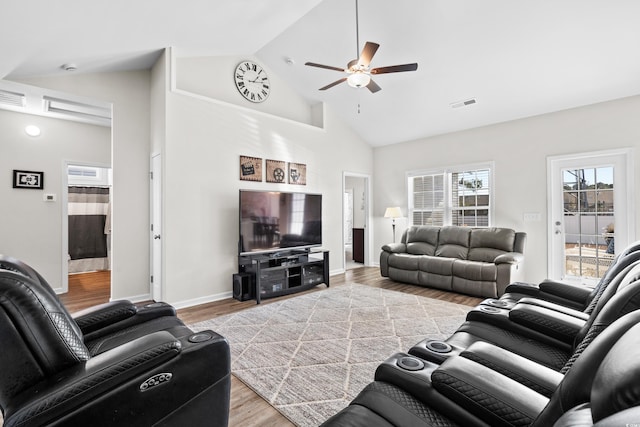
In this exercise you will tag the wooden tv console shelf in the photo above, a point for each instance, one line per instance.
(285, 272)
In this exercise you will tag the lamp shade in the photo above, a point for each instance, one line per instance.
(393, 213)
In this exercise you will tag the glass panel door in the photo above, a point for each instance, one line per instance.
(589, 217)
(589, 221)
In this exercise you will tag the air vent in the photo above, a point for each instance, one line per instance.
(463, 103)
(76, 109)
(13, 99)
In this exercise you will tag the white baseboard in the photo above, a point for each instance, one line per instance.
(202, 300)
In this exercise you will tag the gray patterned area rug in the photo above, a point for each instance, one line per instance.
(309, 356)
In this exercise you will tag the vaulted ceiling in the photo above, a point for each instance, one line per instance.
(515, 59)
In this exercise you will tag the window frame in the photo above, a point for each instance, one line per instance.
(447, 173)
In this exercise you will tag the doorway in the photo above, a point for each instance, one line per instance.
(86, 220)
(588, 213)
(355, 219)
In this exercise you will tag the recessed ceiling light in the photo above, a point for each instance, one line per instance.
(32, 130)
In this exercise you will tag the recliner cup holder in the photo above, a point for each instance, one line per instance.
(199, 337)
(489, 309)
(438, 346)
(410, 363)
(155, 304)
(496, 303)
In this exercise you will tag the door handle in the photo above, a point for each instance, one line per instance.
(156, 236)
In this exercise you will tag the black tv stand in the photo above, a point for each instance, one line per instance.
(285, 272)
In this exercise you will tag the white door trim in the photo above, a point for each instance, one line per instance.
(624, 190)
(367, 210)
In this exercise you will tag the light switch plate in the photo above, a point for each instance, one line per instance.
(49, 197)
(532, 217)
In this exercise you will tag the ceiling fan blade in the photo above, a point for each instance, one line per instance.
(327, 67)
(373, 87)
(330, 85)
(368, 51)
(395, 68)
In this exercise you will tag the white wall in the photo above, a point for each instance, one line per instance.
(519, 149)
(204, 141)
(129, 92)
(31, 229)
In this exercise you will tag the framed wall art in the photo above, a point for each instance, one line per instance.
(297, 173)
(28, 179)
(276, 171)
(250, 168)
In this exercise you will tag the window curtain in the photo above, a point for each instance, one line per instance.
(89, 228)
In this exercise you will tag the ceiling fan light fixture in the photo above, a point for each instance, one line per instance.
(358, 79)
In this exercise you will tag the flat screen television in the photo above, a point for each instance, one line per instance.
(271, 221)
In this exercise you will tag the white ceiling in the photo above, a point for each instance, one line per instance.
(516, 58)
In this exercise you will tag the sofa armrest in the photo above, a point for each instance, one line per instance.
(509, 258)
(395, 248)
(561, 326)
(480, 390)
(537, 377)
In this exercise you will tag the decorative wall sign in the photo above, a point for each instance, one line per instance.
(28, 179)
(276, 171)
(297, 173)
(250, 168)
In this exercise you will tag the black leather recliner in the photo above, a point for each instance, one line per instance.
(601, 389)
(577, 297)
(108, 324)
(146, 372)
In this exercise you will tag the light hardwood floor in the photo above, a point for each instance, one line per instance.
(246, 408)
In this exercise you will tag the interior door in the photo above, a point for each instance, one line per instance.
(588, 214)
(156, 227)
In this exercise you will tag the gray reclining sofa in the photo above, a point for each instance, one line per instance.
(473, 261)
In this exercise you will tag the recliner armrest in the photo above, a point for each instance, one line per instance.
(106, 321)
(568, 291)
(99, 316)
(480, 390)
(546, 321)
(86, 381)
(555, 307)
(537, 377)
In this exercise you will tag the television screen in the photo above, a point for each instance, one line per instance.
(274, 220)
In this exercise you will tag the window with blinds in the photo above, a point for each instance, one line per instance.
(454, 196)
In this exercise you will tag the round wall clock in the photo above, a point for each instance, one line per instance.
(252, 81)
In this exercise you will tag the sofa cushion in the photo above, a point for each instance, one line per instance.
(435, 272)
(486, 244)
(404, 261)
(422, 240)
(453, 242)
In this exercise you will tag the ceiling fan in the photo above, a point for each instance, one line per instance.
(359, 73)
